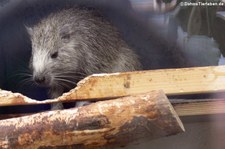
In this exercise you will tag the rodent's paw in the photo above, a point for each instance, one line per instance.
(82, 103)
(57, 106)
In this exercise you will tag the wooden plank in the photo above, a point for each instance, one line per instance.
(171, 81)
(199, 107)
(113, 122)
(9, 98)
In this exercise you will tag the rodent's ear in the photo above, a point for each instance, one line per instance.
(65, 32)
(29, 30)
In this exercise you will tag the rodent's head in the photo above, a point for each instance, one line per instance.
(55, 55)
(71, 44)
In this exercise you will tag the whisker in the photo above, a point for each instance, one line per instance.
(69, 77)
(25, 81)
(75, 78)
(70, 73)
(64, 80)
(63, 85)
(21, 75)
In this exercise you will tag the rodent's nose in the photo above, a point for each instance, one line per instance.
(39, 79)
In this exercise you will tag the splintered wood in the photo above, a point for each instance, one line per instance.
(104, 123)
(9, 98)
(171, 81)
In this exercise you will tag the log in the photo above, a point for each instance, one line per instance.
(104, 123)
(171, 81)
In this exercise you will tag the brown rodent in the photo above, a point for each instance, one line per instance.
(72, 43)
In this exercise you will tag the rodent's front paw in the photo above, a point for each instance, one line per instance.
(57, 106)
(82, 103)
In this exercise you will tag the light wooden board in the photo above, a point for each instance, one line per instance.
(200, 107)
(171, 81)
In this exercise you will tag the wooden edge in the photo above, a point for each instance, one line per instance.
(8, 98)
(8, 116)
(199, 107)
(172, 81)
(101, 86)
(183, 107)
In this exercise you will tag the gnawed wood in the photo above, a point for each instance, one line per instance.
(113, 122)
(171, 81)
(9, 98)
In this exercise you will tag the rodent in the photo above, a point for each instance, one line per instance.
(72, 43)
(141, 34)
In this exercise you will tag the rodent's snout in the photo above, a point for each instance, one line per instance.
(41, 80)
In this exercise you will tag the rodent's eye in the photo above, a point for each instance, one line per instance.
(66, 37)
(54, 55)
